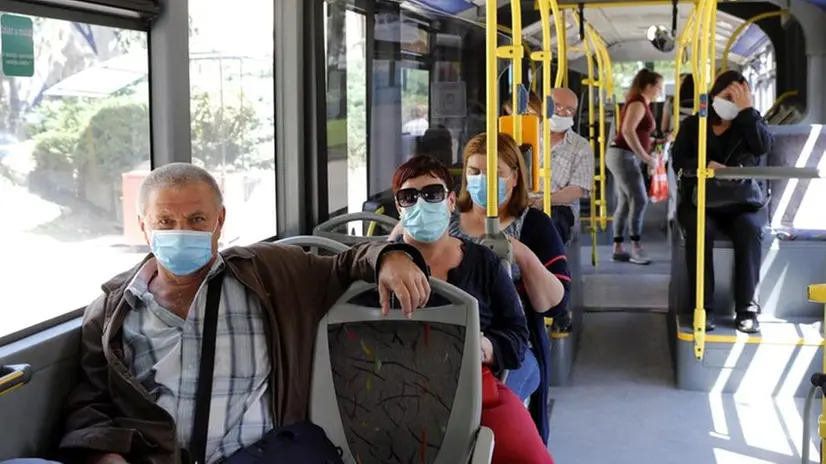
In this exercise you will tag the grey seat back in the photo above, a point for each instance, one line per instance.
(393, 389)
(330, 229)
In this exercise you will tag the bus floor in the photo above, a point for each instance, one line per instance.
(622, 405)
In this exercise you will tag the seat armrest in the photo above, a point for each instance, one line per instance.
(483, 448)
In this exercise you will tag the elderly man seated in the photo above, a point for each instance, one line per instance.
(141, 354)
(572, 162)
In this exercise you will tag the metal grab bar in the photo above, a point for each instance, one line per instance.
(325, 229)
(760, 172)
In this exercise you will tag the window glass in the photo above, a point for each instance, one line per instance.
(74, 138)
(761, 74)
(232, 109)
(427, 92)
(346, 79)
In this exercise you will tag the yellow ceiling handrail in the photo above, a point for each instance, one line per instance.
(742, 27)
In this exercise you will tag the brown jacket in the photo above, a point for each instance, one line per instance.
(111, 412)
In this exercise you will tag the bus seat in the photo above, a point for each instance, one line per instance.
(32, 414)
(391, 386)
(795, 234)
(332, 228)
(794, 205)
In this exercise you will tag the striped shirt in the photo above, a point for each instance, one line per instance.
(163, 352)
(572, 163)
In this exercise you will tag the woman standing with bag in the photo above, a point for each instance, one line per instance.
(632, 146)
(737, 136)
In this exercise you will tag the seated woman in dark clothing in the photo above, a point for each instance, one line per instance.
(423, 190)
(737, 136)
(540, 268)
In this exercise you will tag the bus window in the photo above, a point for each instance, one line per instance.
(232, 102)
(75, 131)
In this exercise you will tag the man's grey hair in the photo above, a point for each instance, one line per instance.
(176, 176)
(569, 92)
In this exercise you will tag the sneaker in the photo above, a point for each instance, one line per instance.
(710, 322)
(621, 256)
(638, 256)
(747, 323)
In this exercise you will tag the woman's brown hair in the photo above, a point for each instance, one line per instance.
(510, 154)
(642, 80)
(534, 104)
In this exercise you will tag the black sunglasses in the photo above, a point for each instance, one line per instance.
(433, 193)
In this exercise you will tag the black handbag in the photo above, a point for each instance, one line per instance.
(728, 194)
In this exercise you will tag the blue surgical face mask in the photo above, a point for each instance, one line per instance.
(426, 222)
(181, 252)
(477, 187)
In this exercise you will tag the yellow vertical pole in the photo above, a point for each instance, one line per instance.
(590, 51)
(698, 66)
(606, 79)
(546, 54)
(492, 123)
(712, 68)
(516, 66)
(561, 70)
(707, 45)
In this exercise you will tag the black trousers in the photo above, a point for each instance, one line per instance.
(745, 229)
(563, 218)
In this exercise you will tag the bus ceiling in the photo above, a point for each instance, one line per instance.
(623, 25)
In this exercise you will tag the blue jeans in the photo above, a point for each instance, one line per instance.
(525, 380)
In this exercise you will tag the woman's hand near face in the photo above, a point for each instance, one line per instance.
(740, 95)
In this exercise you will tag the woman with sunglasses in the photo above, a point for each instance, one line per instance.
(540, 268)
(422, 188)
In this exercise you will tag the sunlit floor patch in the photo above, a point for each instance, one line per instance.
(622, 407)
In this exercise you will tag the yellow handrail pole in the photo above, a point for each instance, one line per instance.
(545, 55)
(591, 131)
(707, 44)
(606, 79)
(561, 70)
(492, 123)
(735, 34)
(783, 96)
(515, 52)
(562, 60)
(698, 65)
(680, 56)
(516, 66)
(589, 58)
(712, 67)
(526, 51)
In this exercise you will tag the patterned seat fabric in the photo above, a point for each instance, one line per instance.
(395, 382)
